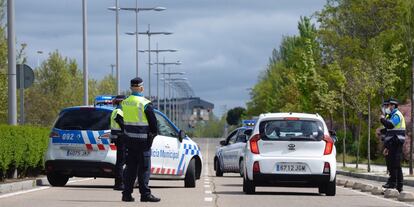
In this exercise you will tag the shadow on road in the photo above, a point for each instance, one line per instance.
(232, 185)
(116, 200)
(88, 186)
(267, 193)
(164, 187)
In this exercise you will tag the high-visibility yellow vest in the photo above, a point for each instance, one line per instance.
(135, 120)
(115, 128)
(399, 129)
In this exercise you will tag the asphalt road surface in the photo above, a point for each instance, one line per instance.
(210, 191)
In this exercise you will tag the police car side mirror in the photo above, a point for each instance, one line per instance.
(181, 135)
(223, 142)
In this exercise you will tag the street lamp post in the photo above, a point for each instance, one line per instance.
(157, 51)
(173, 106)
(85, 53)
(149, 34)
(39, 52)
(164, 73)
(136, 10)
(118, 82)
(169, 88)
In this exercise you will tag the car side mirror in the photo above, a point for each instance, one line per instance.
(332, 133)
(223, 142)
(181, 135)
(243, 138)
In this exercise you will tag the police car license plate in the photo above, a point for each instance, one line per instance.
(77, 153)
(290, 167)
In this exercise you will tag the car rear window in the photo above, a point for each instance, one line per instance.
(84, 120)
(291, 130)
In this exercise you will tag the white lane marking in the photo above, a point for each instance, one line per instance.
(208, 199)
(207, 192)
(380, 198)
(206, 182)
(37, 189)
(207, 186)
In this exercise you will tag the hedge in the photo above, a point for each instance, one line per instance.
(22, 148)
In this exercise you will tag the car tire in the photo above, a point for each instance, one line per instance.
(248, 186)
(330, 188)
(241, 168)
(190, 175)
(219, 172)
(57, 179)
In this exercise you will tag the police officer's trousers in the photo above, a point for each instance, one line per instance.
(396, 177)
(120, 160)
(138, 160)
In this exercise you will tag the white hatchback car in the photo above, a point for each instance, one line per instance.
(290, 150)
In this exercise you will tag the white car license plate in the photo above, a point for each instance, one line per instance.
(77, 153)
(290, 167)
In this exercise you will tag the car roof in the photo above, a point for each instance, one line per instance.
(72, 108)
(291, 114)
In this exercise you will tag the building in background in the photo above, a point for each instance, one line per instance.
(188, 111)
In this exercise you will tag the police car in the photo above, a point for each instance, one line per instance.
(230, 153)
(290, 149)
(79, 146)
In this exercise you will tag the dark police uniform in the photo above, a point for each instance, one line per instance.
(117, 136)
(140, 128)
(393, 141)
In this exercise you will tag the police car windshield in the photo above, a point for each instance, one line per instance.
(293, 130)
(84, 120)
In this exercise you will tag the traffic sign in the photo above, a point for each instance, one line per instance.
(28, 75)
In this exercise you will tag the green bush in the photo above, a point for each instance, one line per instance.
(22, 148)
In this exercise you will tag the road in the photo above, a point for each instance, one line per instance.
(210, 191)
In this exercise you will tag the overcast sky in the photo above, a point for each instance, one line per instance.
(223, 44)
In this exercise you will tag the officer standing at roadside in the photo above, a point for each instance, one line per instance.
(117, 136)
(140, 128)
(394, 123)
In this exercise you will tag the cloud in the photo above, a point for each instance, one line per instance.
(223, 44)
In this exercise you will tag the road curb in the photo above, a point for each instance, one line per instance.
(371, 177)
(22, 185)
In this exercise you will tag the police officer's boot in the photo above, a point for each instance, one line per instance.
(127, 198)
(150, 198)
(389, 185)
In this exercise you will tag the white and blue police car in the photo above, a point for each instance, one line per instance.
(79, 146)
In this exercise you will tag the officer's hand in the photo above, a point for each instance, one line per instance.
(385, 152)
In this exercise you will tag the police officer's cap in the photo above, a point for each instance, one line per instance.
(137, 82)
(118, 99)
(386, 102)
(393, 101)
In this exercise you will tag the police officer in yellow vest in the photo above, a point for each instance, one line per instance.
(140, 128)
(394, 123)
(117, 136)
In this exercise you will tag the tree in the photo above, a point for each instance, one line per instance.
(235, 115)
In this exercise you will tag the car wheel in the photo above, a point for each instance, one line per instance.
(219, 172)
(330, 188)
(190, 175)
(248, 186)
(57, 179)
(241, 168)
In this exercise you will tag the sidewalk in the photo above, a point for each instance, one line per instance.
(378, 172)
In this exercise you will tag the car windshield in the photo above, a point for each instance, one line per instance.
(291, 130)
(84, 120)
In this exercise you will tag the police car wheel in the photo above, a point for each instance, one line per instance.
(57, 179)
(219, 172)
(190, 175)
(241, 167)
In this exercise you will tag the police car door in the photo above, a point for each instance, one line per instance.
(169, 148)
(238, 147)
(226, 151)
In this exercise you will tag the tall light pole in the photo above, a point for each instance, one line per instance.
(85, 53)
(164, 73)
(173, 106)
(11, 41)
(117, 66)
(149, 34)
(39, 52)
(169, 73)
(136, 10)
(157, 51)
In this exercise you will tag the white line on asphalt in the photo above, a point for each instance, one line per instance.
(207, 186)
(207, 192)
(206, 182)
(37, 189)
(209, 199)
(373, 196)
